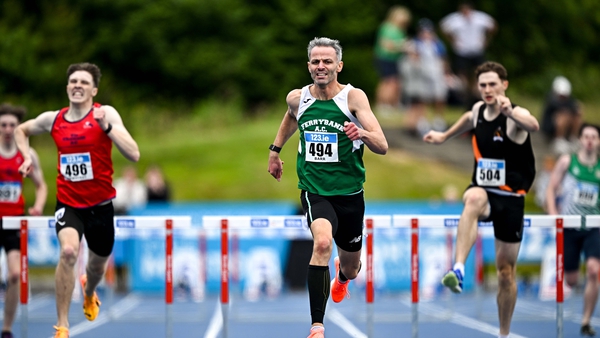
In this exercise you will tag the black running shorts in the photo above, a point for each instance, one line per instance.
(10, 239)
(507, 213)
(96, 223)
(577, 241)
(345, 213)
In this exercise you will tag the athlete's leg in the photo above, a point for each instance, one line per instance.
(100, 235)
(572, 278)
(95, 268)
(318, 270)
(590, 294)
(322, 242)
(11, 299)
(65, 278)
(506, 267)
(349, 263)
(476, 207)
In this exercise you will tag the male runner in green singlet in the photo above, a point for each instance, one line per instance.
(335, 122)
(578, 176)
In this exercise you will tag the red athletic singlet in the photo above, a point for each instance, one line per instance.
(84, 161)
(11, 186)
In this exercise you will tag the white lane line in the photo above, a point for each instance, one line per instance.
(216, 323)
(34, 304)
(462, 320)
(338, 319)
(535, 309)
(117, 310)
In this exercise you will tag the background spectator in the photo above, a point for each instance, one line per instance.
(131, 191)
(469, 32)
(424, 72)
(541, 182)
(562, 117)
(157, 188)
(389, 47)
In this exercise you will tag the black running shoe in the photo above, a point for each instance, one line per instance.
(587, 330)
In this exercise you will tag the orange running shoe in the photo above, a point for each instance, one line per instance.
(61, 332)
(91, 305)
(317, 332)
(338, 290)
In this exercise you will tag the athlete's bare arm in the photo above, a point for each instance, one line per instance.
(118, 134)
(288, 127)
(464, 124)
(556, 178)
(520, 120)
(41, 190)
(41, 124)
(370, 133)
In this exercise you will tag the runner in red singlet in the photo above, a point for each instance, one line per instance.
(84, 133)
(12, 203)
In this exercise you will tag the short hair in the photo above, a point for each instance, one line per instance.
(398, 13)
(468, 4)
(588, 125)
(17, 111)
(325, 42)
(491, 66)
(88, 67)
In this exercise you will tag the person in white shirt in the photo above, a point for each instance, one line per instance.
(469, 32)
(131, 191)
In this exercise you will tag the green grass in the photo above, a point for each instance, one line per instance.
(226, 159)
(214, 152)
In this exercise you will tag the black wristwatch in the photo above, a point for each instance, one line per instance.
(274, 148)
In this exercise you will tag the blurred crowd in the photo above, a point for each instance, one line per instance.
(420, 76)
(134, 192)
(416, 73)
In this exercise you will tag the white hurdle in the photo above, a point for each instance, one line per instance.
(122, 224)
(414, 222)
(558, 222)
(225, 223)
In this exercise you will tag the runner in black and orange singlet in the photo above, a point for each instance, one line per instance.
(84, 133)
(503, 172)
(12, 203)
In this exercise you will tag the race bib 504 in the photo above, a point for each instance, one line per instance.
(491, 172)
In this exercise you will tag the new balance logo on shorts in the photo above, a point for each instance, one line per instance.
(356, 239)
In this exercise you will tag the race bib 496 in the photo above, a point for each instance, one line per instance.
(76, 167)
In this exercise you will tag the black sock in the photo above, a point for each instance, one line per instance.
(343, 278)
(318, 291)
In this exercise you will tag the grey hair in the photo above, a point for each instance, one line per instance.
(326, 42)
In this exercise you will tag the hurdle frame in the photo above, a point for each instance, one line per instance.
(414, 223)
(168, 223)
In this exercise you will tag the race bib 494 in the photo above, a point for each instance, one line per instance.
(321, 147)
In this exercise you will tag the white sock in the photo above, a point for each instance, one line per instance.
(317, 327)
(503, 336)
(460, 267)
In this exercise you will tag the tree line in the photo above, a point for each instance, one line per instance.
(254, 51)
